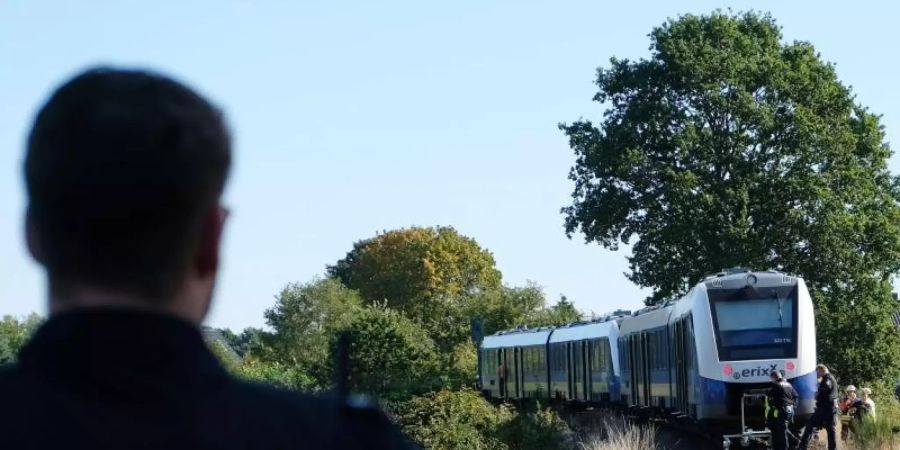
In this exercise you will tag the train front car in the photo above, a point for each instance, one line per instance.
(747, 324)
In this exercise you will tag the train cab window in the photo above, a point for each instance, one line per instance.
(755, 323)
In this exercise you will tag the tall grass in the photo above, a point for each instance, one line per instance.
(880, 432)
(612, 432)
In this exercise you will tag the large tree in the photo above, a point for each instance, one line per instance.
(509, 307)
(304, 321)
(410, 266)
(428, 274)
(390, 356)
(729, 147)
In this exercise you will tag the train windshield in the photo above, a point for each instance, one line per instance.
(755, 323)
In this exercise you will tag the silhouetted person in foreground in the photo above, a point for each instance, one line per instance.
(124, 174)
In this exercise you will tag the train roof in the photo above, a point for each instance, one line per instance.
(518, 337)
(652, 318)
(589, 330)
(535, 336)
(740, 277)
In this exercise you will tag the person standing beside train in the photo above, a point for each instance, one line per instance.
(826, 409)
(845, 406)
(780, 401)
(863, 407)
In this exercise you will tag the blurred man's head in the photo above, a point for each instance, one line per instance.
(821, 370)
(124, 173)
(775, 376)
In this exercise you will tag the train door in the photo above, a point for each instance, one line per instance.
(633, 367)
(690, 353)
(678, 360)
(570, 372)
(578, 362)
(501, 373)
(636, 368)
(639, 368)
(588, 370)
(521, 372)
(511, 375)
(648, 380)
(517, 359)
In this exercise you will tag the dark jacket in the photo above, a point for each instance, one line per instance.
(782, 394)
(780, 401)
(117, 380)
(827, 394)
(860, 409)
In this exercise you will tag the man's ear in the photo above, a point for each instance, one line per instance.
(207, 260)
(32, 240)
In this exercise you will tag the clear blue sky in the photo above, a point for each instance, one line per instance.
(356, 117)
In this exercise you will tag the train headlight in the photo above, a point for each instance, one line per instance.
(728, 370)
(751, 280)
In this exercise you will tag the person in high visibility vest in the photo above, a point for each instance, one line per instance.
(780, 401)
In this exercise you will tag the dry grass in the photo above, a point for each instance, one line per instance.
(872, 436)
(611, 432)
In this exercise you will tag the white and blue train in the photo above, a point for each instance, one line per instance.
(691, 359)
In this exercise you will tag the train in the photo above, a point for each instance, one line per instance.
(690, 360)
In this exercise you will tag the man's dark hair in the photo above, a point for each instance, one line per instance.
(121, 168)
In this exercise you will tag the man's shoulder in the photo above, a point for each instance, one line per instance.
(345, 423)
(10, 377)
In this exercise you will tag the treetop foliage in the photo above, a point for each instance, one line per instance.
(14, 333)
(410, 266)
(728, 147)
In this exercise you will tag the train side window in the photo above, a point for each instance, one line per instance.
(531, 363)
(660, 353)
(658, 349)
(561, 356)
(597, 352)
(555, 361)
(655, 350)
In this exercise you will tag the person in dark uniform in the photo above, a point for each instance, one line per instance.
(124, 171)
(826, 409)
(780, 401)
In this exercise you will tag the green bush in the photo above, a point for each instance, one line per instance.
(454, 420)
(276, 374)
(463, 420)
(391, 357)
(539, 430)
